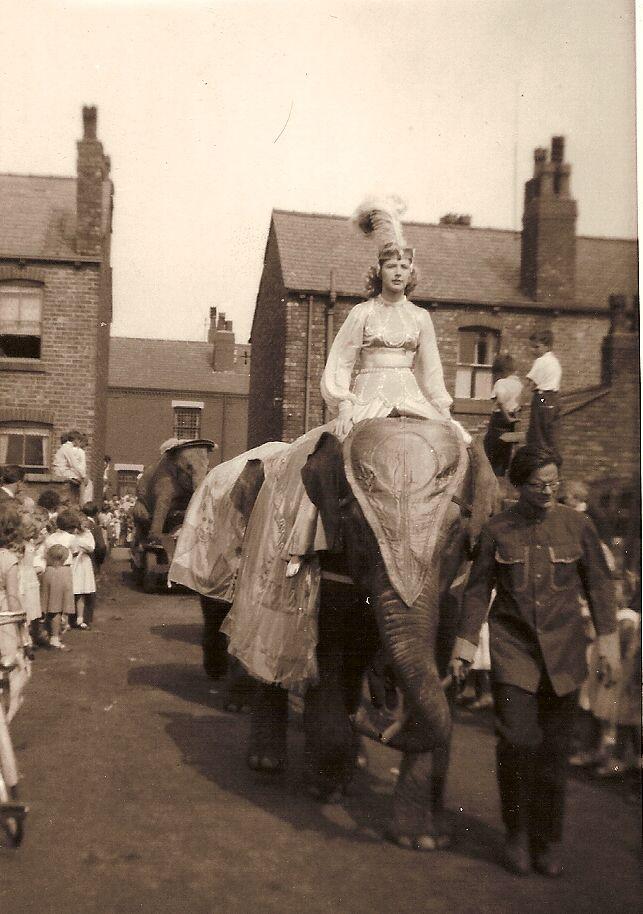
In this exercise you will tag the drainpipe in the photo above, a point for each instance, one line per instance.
(309, 343)
(330, 314)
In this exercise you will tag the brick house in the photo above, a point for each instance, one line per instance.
(486, 289)
(159, 389)
(55, 308)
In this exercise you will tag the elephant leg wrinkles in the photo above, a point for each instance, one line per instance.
(347, 640)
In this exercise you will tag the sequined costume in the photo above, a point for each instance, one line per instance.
(399, 363)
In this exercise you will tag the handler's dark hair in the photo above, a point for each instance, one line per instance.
(503, 365)
(526, 460)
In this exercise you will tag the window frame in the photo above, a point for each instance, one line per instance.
(476, 369)
(27, 289)
(33, 430)
(183, 407)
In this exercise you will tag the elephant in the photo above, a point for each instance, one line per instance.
(166, 486)
(401, 501)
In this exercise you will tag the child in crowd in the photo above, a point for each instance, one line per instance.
(49, 500)
(31, 566)
(97, 557)
(544, 380)
(506, 392)
(15, 644)
(57, 591)
(67, 524)
(82, 570)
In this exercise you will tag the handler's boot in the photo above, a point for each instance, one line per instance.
(517, 858)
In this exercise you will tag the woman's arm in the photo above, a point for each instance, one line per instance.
(428, 367)
(336, 379)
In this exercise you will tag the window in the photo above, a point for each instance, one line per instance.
(187, 419)
(20, 321)
(477, 348)
(127, 480)
(25, 446)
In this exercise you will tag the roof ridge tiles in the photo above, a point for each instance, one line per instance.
(13, 174)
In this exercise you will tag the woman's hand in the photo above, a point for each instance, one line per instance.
(343, 426)
(344, 421)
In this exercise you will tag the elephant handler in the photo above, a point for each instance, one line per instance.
(539, 555)
(167, 485)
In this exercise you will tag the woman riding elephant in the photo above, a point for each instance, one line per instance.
(386, 508)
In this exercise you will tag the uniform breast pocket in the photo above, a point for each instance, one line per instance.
(512, 568)
(563, 559)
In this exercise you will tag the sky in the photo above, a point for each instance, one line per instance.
(214, 113)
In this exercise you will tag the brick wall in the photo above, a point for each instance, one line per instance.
(139, 421)
(64, 382)
(603, 438)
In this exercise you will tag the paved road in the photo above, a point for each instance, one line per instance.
(140, 800)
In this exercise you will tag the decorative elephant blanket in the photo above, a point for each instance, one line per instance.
(404, 473)
(208, 549)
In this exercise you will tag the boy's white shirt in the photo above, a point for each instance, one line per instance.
(69, 457)
(546, 372)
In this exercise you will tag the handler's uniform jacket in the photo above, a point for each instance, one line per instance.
(160, 492)
(539, 566)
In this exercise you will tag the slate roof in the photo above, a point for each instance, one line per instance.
(38, 215)
(173, 365)
(455, 263)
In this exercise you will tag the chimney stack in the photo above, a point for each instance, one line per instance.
(221, 335)
(92, 170)
(621, 366)
(548, 255)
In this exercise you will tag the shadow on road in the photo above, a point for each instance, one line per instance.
(189, 633)
(215, 743)
(215, 746)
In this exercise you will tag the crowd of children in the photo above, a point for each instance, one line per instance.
(57, 551)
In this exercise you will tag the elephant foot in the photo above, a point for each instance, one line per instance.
(426, 843)
(267, 763)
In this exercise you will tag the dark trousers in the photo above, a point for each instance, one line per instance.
(533, 744)
(543, 421)
(498, 451)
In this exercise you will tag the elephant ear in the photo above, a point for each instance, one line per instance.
(325, 483)
(245, 490)
(484, 484)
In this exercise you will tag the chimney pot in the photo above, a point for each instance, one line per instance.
(90, 118)
(558, 149)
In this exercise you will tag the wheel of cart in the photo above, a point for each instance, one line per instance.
(15, 656)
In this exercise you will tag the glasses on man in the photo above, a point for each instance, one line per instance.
(543, 486)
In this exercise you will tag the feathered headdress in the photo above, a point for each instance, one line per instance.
(380, 217)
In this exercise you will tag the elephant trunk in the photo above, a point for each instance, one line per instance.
(409, 635)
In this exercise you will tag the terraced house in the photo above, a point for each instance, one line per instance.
(55, 308)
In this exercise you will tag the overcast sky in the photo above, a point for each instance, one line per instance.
(215, 112)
